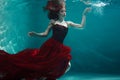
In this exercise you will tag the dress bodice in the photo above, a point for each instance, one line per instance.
(59, 32)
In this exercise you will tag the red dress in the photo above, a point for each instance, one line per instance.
(50, 60)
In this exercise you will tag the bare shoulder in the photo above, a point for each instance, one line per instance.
(52, 22)
(69, 23)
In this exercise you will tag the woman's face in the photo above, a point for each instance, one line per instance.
(62, 12)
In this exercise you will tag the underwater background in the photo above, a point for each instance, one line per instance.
(95, 49)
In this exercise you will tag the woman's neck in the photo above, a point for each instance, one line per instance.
(61, 19)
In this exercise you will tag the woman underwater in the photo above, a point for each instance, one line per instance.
(52, 59)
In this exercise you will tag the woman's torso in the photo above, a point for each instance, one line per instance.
(60, 31)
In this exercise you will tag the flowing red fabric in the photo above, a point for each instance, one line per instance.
(50, 61)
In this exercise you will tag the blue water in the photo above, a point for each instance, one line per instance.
(95, 49)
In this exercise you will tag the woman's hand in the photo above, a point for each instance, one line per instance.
(31, 33)
(86, 10)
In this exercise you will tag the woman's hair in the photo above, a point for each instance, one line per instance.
(53, 7)
(53, 15)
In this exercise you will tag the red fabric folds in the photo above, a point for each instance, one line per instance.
(50, 61)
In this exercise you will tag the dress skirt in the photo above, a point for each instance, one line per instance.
(50, 61)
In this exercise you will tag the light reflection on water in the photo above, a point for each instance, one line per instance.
(90, 77)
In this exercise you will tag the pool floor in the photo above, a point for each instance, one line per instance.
(90, 77)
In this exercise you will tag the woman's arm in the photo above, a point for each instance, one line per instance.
(43, 34)
(70, 23)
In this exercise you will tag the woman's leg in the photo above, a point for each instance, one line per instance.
(68, 68)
